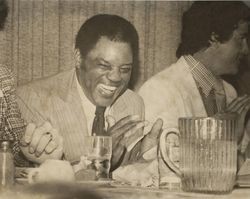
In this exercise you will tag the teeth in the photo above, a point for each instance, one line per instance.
(107, 89)
(110, 88)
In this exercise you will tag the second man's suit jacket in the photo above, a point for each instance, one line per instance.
(173, 93)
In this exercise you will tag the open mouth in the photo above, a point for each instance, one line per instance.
(107, 90)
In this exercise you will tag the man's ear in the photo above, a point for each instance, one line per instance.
(77, 58)
(214, 40)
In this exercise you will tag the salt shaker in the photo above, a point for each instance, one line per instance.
(7, 168)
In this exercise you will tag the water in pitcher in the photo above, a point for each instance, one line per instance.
(210, 168)
(208, 154)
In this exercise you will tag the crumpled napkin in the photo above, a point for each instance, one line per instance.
(144, 174)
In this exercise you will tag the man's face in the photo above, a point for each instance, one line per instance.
(233, 51)
(106, 71)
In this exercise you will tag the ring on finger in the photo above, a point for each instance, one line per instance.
(49, 134)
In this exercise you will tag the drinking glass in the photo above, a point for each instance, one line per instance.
(208, 154)
(95, 162)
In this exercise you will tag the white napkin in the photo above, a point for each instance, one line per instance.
(143, 174)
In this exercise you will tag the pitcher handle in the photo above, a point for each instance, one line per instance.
(164, 146)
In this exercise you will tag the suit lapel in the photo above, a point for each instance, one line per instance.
(118, 109)
(69, 93)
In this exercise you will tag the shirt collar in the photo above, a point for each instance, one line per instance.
(88, 106)
(205, 79)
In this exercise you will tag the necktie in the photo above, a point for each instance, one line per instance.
(215, 102)
(220, 96)
(210, 103)
(98, 127)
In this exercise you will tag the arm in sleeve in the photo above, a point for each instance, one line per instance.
(14, 125)
(162, 100)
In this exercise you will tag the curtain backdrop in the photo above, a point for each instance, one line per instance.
(39, 35)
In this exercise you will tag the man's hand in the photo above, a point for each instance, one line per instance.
(117, 130)
(152, 138)
(241, 106)
(41, 143)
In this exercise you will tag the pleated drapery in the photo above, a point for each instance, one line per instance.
(39, 35)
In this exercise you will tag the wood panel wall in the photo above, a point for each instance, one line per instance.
(39, 35)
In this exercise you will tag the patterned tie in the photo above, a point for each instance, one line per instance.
(98, 127)
(220, 96)
(215, 102)
(210, 103)
(220, 101)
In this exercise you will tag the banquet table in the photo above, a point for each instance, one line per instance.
(111, 191)
(108, 190)
(147, 193)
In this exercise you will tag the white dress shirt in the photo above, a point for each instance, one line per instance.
(89, 109)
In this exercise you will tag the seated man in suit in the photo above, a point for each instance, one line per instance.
(213, 42)
(92, 98)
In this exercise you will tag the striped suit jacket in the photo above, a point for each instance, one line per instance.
(56, 99)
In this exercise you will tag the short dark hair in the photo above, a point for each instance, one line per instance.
(3, 13)
(205, 17)
(113, 27)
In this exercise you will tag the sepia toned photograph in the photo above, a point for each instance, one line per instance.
(126, 99)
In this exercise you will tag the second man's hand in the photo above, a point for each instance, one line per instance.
(241, 106)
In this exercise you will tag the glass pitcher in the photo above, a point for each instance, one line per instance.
(208, 153)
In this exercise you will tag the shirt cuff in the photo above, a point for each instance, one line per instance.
(21, 161)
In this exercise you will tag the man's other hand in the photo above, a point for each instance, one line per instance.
(152, 138)
(41, 143)
(117, 130)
